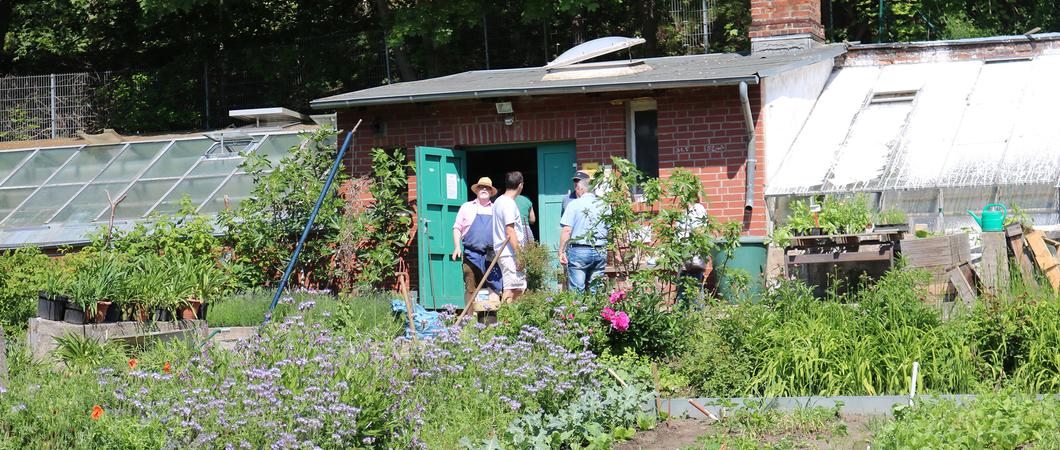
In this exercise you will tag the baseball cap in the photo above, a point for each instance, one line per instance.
(580, 175)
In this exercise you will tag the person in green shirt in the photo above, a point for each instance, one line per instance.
(526, 210)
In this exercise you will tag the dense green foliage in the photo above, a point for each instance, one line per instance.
(373, 237)
(183, 64)
(1005, 419)
(263, 231)
(23, 273)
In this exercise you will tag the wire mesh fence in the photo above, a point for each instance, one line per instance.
(48, 106)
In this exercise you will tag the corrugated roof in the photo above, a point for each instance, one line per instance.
(971, 123)
(667, 72)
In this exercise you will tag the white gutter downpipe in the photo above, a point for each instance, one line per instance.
(752, 154)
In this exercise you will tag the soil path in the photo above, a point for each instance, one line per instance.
(683, 433)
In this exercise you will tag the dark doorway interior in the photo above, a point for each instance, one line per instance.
(496, 163)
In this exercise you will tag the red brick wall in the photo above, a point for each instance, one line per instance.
(785, 17)
(701, 130)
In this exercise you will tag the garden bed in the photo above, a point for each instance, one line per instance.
(42, 334)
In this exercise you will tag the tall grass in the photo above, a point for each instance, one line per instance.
(370, 313)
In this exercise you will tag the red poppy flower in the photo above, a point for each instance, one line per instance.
(132, 363)
(97, 412)
(165, 367)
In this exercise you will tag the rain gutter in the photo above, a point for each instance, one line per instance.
(752, 155)
(325, 103)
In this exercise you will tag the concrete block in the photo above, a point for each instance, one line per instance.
(42, 333)
(228, 337)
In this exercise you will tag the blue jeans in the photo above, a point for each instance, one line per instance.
(584, 265)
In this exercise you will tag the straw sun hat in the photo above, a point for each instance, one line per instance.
(484, 182)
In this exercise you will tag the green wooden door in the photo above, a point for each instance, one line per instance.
(555, 168)
(441, 188)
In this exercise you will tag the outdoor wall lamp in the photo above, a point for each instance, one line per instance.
(509, 120)
(504, 108)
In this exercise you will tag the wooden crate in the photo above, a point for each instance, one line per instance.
(938, 256)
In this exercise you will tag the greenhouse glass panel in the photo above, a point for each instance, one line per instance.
(37, 170)
(180, 157)
(88, 162)
(1029, 197)
(41, 206)
(131, 162)
(89, 203)
(10, 160)
(140, 197)
(957, 201)
(919, 201)
(219, 166)
(237, 189)
(10, 198)
(277, 146)
(197, 190)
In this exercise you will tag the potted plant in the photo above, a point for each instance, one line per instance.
(205, 282)
(892, 218)
(95, 282)
(51, 302)
(800, 220)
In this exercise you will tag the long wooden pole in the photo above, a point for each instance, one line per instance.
(404, 281)
(470, 304)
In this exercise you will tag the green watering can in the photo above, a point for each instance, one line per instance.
(992, 218)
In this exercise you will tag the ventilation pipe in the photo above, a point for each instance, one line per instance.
(752, 155)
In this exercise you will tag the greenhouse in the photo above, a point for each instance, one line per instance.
(53, 196)
(932, 139)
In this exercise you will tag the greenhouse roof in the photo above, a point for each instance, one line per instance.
(939, 125)
(54, 196)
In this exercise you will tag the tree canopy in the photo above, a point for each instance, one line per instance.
(179, 64)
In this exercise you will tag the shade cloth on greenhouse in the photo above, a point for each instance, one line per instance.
(945, 125)
(56, 195)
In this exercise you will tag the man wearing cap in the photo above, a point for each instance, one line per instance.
(473, 231)
(586, 256)
(578, 176)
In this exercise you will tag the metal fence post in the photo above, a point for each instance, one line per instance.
(54, 119)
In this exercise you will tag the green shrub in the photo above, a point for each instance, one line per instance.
(539, 264)
(1004, 419)
(23, 273)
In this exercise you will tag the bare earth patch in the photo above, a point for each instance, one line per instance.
(684, 434)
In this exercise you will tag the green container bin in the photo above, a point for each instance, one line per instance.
(750, 258)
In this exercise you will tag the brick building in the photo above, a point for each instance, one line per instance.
(712, 114)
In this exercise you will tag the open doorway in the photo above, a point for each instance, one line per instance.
(496, 163)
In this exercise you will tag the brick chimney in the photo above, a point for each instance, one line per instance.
(785, 24)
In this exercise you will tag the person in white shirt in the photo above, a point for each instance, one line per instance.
(509, 236)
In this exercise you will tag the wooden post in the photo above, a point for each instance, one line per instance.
(994, 268)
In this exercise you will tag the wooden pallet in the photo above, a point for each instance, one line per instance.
(1043, 257)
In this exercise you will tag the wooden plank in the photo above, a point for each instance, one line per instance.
(1015, 236)
(964, 289)
(1043, 258)
(994, 266)
(882, 255)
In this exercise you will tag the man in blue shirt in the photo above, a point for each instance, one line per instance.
(586, 233)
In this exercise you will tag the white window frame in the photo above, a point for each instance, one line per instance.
(633, 106)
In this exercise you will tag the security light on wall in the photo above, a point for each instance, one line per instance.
(509, 119)
(504, 108)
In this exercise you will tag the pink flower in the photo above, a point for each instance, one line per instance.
(570, 317)
(617, 296)
(608, 314)
(621, 321)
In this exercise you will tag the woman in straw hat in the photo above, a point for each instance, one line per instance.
(473, 231)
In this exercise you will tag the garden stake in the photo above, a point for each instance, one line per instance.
(309, 223)
(658, 389)
(620, 382)
(469, 305)
(404, 282)
(703, 410)
(912, 381)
